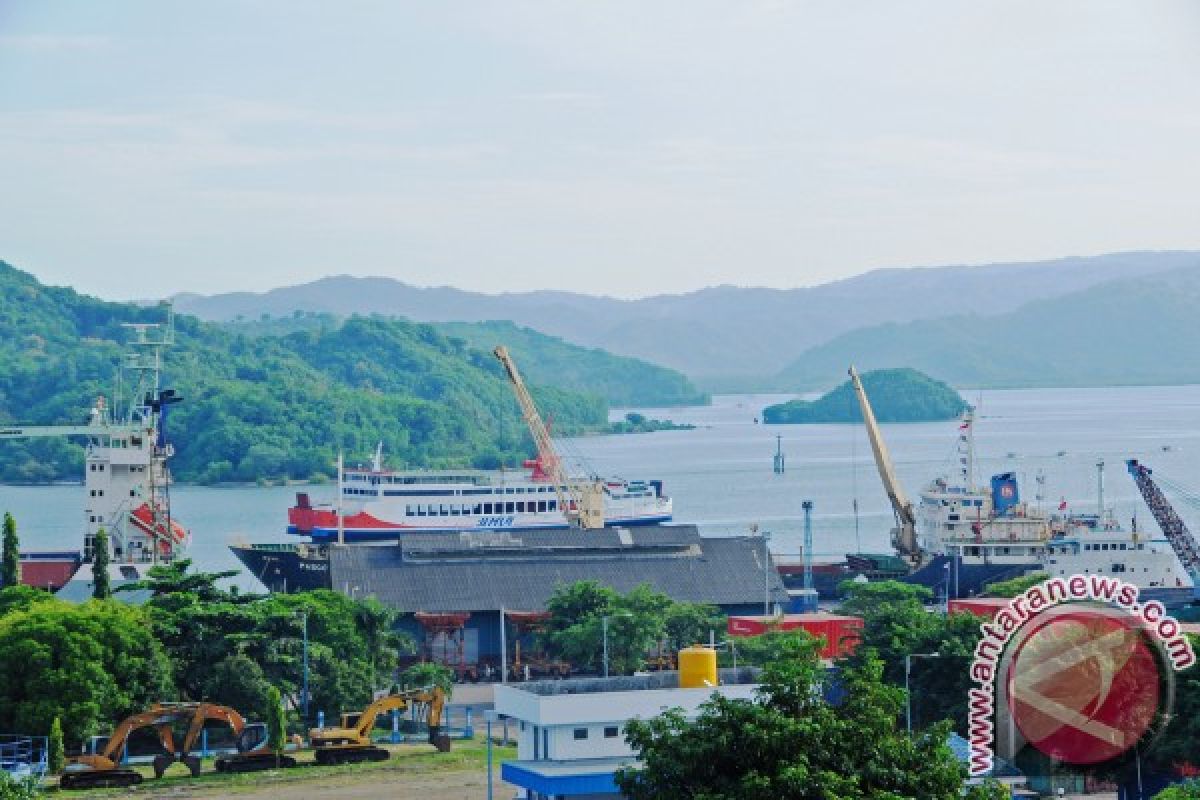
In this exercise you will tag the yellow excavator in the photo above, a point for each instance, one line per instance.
(351, 742)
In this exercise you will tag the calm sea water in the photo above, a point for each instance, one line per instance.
(720, 474)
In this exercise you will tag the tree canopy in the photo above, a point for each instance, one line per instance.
(91, 665)
(10, 555)
(790, 743)
(228, 647)
(639, 621)
(896, 625)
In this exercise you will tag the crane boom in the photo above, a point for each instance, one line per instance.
(43, 431)
(904, 536)
(1173, 527)
(583, 504)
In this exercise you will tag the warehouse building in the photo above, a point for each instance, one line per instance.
(464, 581)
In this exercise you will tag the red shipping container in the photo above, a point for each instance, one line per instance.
(982, 607)
(841, 633)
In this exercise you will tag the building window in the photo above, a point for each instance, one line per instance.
(581, 733)
(611, 732)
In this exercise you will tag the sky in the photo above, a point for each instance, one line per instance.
(619, 148)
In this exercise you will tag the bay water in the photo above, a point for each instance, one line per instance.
(720, 473)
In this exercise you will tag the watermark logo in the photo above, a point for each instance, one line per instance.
(1080, 668)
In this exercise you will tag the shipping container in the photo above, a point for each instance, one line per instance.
(982, 607)
(841, 633)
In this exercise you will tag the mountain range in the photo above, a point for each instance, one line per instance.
(726, 337)
(1136, 331)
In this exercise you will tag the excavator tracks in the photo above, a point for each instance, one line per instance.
(100, 779)
(351, 755)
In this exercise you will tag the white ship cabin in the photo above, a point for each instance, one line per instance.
(1135, 556)
(983, 527)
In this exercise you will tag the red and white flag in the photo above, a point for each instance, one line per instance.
(1063, 505)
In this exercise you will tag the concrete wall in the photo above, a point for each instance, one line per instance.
(562, 714)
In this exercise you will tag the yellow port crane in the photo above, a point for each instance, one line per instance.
(350, 741)
(582, 502)
(904, 535)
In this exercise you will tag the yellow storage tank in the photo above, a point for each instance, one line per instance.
(697, 668)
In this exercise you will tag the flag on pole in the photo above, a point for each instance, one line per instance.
(1063, 505)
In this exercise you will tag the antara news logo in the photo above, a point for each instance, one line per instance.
(1078, 667)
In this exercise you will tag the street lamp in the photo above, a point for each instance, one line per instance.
(766, 537)
(604, 621)
(304, 694)
(490, 716)
(907, 692)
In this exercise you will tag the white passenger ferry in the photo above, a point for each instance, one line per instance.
(378, 504)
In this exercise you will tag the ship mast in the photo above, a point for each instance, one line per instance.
(904, 535)
(581, 502)
(126, 455)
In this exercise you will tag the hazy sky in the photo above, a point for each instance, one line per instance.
(608, 147)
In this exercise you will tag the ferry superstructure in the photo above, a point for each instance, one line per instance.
(378, 504)
(1091, 546)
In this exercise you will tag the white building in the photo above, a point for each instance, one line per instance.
(571, 734)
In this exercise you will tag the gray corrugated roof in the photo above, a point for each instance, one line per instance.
(676, 560)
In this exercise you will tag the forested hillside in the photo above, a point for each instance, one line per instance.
(550, 361)
(264, 407)
(543, 359)
(1127, 332)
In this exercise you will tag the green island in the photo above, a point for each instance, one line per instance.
(640, 423)
(897, 395)
(266, 407)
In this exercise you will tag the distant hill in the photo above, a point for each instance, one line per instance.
(896, 395)
(265, 407)
(722, 335)
(544, 360)
(1126, 332)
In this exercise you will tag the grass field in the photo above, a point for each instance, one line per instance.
(413, 772)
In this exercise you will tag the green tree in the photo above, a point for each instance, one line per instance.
(896, 625)
(89, 665)
(10, 561)
(56, 754)
(690, 623)
(790, 743)
(238, 682)
(101, 586)
(26, 788)
(276, 722)
(427, 673)
(19, 598)
(1015, 586)
(1189, 790)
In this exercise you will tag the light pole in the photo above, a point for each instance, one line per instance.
(604, 623)
(490, 716)
(907, 692)
(766, 537)
(304, 695)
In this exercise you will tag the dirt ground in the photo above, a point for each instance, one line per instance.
(464, 785)
(413, 773)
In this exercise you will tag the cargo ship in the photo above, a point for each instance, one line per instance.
(126, 480)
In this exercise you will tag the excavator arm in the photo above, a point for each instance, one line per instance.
(211, 711)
